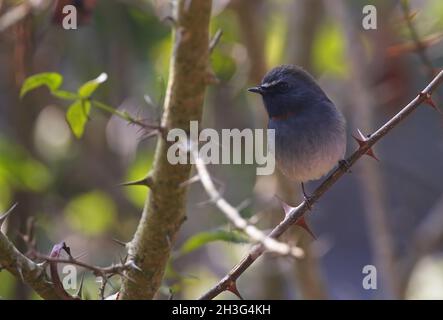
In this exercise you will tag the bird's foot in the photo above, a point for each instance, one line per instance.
(344, 164)
(308, 199)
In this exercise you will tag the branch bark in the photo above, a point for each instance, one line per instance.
(25, 269)
(164, 210)
(292, 217)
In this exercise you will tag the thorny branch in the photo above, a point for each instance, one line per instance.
(24, 268)
(365, 147)
(34, 272)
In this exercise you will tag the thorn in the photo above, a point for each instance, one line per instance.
(79, 293)
(67, 250)
(123, 259)
(132, 264)
(362, 141)
(411, 15)
(148, 182)
(20, 273)
(43, 264)
(428, 100)
(121, 243)
(192, 180)
(232, 287)
(6, 214)
(286, 207)
(301, 222)
(215, 40)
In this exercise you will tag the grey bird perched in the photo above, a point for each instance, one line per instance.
(310, 136)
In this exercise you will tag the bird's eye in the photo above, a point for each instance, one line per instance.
(282, 86)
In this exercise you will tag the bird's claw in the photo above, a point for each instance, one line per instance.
(345, 165)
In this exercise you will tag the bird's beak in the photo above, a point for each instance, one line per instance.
(257, 89)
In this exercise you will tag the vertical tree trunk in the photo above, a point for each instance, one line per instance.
(164, 210)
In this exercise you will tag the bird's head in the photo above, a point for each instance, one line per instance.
(288, 90)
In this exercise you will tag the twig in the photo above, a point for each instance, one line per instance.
(97, 271)
(301, 209)
(234, 216)
(215, 40)
(24, 268)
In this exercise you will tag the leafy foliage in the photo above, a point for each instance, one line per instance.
(78, 112)
(51, 80)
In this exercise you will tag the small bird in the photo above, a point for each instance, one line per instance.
(310, 132)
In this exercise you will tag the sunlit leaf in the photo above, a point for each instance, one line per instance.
(77, 116)
(92, 213)
(89, 87)
(66, 95)
(51, 80)
(200, 239)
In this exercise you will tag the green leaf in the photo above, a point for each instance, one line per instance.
(18, 170)
(77, 116)
(89, 87)
(65, 95)
(50, 79)
(200, 239)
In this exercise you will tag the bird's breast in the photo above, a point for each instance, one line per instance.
(308, 148)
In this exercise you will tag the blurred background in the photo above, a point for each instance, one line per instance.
(386, 213)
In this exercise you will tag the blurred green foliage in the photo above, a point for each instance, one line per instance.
(19, 170)
(92, 213)
(329, 50)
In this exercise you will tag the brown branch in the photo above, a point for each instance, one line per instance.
(164, 211)
(234, 216)
(300, 210)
